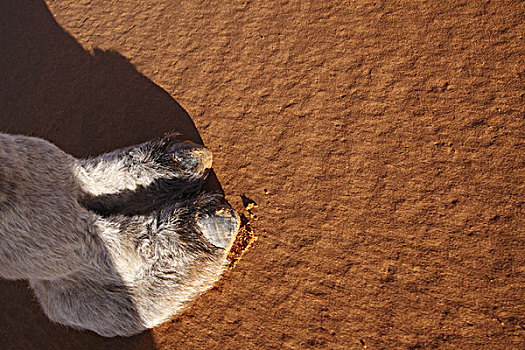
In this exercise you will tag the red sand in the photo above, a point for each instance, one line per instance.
(382, 141)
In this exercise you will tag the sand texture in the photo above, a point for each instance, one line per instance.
(382, 141)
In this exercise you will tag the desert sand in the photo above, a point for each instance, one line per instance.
(383, 142)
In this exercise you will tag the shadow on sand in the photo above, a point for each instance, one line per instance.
(85, 103)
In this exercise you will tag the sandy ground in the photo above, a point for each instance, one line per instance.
(383, 142)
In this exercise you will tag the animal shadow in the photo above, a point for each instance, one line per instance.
(86, 103)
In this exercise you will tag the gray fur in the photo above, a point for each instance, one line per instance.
(114, 244)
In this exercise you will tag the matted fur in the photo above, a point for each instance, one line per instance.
(110, 244)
